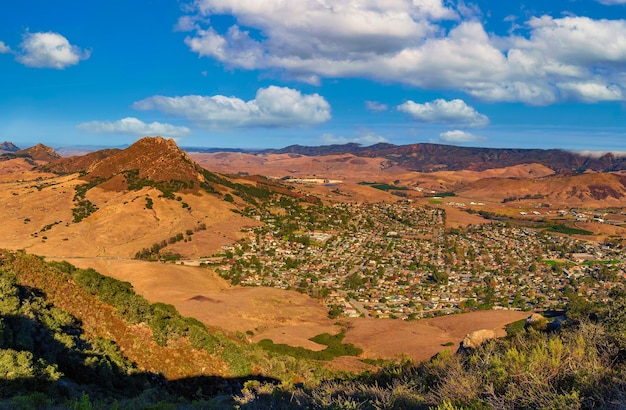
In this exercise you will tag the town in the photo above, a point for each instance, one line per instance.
(399, 261)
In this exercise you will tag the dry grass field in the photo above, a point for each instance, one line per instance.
(287, 316)
(37, 217)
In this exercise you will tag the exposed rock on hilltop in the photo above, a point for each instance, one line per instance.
(437, 157)
(156, 159)
(39, 152)
(477, 338)
(7, 146)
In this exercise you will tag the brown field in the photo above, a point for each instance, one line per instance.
(287, 316)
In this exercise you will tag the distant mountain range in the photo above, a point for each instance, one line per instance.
(423, 157)
(437, 157)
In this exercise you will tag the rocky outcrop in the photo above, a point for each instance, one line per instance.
(536, 322)
(477, 338)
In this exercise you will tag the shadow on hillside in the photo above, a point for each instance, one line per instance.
(38, 355)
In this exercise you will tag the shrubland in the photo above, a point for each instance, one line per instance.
(72, 338)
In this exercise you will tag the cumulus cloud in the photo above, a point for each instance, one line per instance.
(364, 137)
(459, 137)
(422, 43)
(592, 91)
(4, 48)
(272, 107)
(376, 106)
(440, 111)
(49, 50)
(611, 2)
(134, 126)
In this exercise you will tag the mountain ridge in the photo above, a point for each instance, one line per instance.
(429, 157)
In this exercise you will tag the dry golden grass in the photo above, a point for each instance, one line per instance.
(276, 314)
(287, 316)
(122, 225)
(420, 340)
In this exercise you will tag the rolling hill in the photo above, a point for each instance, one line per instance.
(117, 202)
(589, 190)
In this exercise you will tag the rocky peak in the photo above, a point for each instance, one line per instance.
(157, 159)
(8, 146)
(39, 152)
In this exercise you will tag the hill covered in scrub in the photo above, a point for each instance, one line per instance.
(67, 332)
(70, 337)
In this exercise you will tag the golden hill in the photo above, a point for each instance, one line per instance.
(117, 202)
(589, 190)
(39, 152)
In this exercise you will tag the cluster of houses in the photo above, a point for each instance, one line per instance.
(399, 261)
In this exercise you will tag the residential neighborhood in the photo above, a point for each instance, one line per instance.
(398, 261)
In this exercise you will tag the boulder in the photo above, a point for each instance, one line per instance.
(477, 338)
(536, 321)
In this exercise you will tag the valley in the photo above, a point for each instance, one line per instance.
(282, 248)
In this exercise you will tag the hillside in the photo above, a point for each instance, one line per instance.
(589, 190)
(38, 152)
(77, 163)
(67, 332)
(151, 160)
(116, 202)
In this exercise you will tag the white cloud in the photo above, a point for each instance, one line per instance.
(49, 50)
(186, 23)
(134, 126)
(406, 41)
(445, 112)
(4, 48)
(592, 92)
(312, 31)
(376, 106)
(611, 2)
(364, 137)
(459, 137)
(272, 107)
(599, 154)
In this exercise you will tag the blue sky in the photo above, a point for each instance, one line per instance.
(271, 73)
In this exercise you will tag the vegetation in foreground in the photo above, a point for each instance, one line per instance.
(54, 356)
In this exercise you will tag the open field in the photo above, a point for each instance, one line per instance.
(287, 316)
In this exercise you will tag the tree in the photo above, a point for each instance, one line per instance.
(439, 277)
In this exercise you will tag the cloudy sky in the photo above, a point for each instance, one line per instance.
(271, 73)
